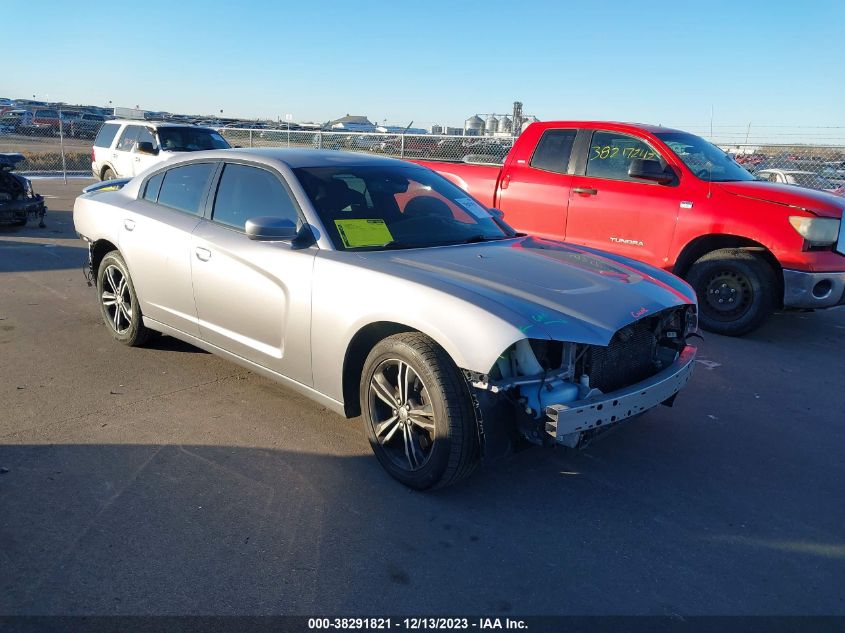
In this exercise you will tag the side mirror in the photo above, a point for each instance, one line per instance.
(270, 229)
(145, 147)
(651, 170)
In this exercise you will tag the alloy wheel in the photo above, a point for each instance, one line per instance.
(117, 300)
(401, 414)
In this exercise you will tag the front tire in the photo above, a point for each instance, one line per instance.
(119, 303)
(736, 291)
(418, 412)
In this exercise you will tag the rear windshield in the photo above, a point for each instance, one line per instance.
(106, 135)
(190, 139)
(47, 114)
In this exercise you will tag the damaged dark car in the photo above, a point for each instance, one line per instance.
(18, 201)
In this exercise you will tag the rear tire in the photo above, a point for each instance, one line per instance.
(119, 303)
(418, 412)
(108, 174)
(736, 291)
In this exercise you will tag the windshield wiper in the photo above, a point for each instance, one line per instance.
(394, 244)
(481, 238)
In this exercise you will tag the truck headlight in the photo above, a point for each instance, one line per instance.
(816, 231)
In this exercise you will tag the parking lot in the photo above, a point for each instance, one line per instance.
(165, 480)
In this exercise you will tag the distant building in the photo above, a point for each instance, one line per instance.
(437, 129)
(353, 123)
(398, 129)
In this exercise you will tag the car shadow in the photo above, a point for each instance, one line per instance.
(111, 528)
(20, 256)
(164, 343)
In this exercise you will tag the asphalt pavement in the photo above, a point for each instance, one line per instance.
(165, 480)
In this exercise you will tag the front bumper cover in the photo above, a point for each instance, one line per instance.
(813, 290)
(603, 410)
(14, 210)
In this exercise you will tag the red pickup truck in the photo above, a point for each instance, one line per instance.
(671, 199)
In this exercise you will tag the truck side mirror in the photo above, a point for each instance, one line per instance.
(651, 170)
(145, 147)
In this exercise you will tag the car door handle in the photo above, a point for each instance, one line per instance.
(129, 225)
(203, 254)
(587, 190)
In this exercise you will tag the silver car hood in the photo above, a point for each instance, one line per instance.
(547, 289)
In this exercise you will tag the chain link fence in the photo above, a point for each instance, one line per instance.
(59, 146)
(429, 146)
(62, 147)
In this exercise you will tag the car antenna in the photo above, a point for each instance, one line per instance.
(709, 179)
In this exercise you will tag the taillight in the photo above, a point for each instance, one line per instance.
(93, 155)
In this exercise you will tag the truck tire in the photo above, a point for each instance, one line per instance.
(736, 291)
(119, 303)
(418, 412)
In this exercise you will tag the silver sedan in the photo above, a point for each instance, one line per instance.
(380, 289)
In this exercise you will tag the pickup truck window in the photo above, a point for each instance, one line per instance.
(553, 151)
(704, 159)
(611, 154)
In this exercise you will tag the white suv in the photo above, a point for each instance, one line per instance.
(125, 148)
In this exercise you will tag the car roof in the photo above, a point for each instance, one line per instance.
(156, 124)
(297, 157)
(611, 125)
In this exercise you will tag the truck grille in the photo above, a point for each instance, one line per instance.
(628, 359)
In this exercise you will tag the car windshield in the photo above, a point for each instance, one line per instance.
(395, 206)
(190, 139)
(704, 159)
(814, 181)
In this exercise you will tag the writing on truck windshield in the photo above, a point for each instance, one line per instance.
(704, 159)
(391, 207)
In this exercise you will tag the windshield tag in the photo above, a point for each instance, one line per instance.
(473, 207)
(358, 233)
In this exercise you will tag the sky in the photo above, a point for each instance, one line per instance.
(776, 65)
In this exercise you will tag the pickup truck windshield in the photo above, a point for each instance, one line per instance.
(704, 159)
(393, 207)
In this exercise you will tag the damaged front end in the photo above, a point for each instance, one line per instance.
(568, 393)
(18, 201)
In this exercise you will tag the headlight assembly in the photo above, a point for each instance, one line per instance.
(816, 231)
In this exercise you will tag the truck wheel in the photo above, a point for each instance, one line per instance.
(118, 301)
(418, 412)
(736, 291)
(108, 174)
